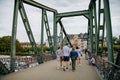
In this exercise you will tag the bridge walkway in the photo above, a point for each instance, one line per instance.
(48, 71)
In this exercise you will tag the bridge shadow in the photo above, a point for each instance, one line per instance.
(48, 71)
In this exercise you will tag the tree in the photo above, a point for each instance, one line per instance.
(114, 39)
(5, 44)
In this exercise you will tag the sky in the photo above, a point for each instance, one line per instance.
(73, 25)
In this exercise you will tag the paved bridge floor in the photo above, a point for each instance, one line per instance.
(48, 71)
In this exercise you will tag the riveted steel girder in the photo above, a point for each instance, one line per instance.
(65, 33)
(38, 5)
(13, 40)
(74, 13)
(109, 30)
(45, 18)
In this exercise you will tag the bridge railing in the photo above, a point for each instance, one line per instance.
(23, 62)
(107, 70)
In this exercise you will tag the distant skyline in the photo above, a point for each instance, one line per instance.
(73, 25)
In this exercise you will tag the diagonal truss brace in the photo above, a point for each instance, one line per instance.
(45, 18)
(29, 31)
(65, 32)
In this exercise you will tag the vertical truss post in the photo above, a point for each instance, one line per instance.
(55, 32)
(93, 26)
(95, 23)
(61, 36)
(42, 33)
(88, 40)
(91, 30)
(28, 29)
(109, 30)
(101, 27)
(13, 40)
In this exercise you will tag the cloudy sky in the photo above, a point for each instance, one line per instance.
(73, 25)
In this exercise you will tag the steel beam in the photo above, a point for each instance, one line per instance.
(13, 39)
(55, 33)
(42, 34)
(91, 3)
(61, 36)
(95, 21)
(74, 13)
(91, 31)
(38, 5)
(47, 29)
(28, 29)
(98, 32)
(109, 30)
(65, 33)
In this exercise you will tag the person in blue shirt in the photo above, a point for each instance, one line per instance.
(73, 56)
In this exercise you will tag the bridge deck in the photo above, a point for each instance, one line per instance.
(48, 71)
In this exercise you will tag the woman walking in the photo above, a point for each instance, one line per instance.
(59, 55)
(73, 55)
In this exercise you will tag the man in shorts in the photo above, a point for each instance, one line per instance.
(66, 53)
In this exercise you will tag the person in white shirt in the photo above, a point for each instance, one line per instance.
(66, 54)
(93, 61)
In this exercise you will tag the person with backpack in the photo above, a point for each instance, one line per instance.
(73, 56)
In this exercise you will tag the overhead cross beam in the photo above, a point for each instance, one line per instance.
(75, 13)
(38, 5)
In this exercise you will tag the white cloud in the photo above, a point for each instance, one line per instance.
(72, 24)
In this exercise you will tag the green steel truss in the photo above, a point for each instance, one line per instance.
(62, 27)
(101, 28)
(94, 27)
(61, 37)
(47, 29)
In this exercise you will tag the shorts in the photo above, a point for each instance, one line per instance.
(66, 58)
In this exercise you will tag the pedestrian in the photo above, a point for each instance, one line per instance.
(89, 58)
(59, 55)
(79, 55)
(93, 61)
(70, 51)
(66, 54)
(73, 56)
(86, 53)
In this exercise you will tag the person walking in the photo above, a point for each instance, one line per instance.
(66, 54)
(79, 55)
(86, 54)
(59, 59)
(73, 56)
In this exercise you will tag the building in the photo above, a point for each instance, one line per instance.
(79, 40)
(27, 44)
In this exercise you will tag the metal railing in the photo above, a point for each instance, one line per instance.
(22, 62)
(107, 70)
(3, 69)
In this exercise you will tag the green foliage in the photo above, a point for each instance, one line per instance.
(116, 41)
(5, 44)
(5, 47)
(46, 48)
(116, 47)
(27, 49)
